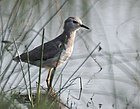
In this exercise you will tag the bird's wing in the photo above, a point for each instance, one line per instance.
(51, 49)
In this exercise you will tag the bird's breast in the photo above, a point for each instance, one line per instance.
(66, 53)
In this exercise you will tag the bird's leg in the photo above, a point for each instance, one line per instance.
(50, 78)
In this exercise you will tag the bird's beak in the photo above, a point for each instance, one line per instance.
(84, 26)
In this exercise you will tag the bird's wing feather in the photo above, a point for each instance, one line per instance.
(51, 49)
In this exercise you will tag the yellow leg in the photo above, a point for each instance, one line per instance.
(50, 78)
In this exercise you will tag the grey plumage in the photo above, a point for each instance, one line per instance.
(56, 51)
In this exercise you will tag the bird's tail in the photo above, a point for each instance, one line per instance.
(17, 59)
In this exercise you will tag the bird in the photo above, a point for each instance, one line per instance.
(56, 51)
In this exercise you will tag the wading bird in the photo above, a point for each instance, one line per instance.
(56, 51)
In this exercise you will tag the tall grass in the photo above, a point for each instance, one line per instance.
(21, 21)
(21, 26)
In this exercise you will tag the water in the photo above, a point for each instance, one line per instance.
(114, 23)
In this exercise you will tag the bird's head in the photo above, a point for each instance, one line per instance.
(73, 24)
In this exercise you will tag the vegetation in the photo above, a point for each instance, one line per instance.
(95, 75)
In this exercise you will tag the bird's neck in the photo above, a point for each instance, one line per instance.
(69, 36)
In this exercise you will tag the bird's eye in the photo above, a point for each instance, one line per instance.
(75, 22)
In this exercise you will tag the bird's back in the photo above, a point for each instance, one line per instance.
(55, 52)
